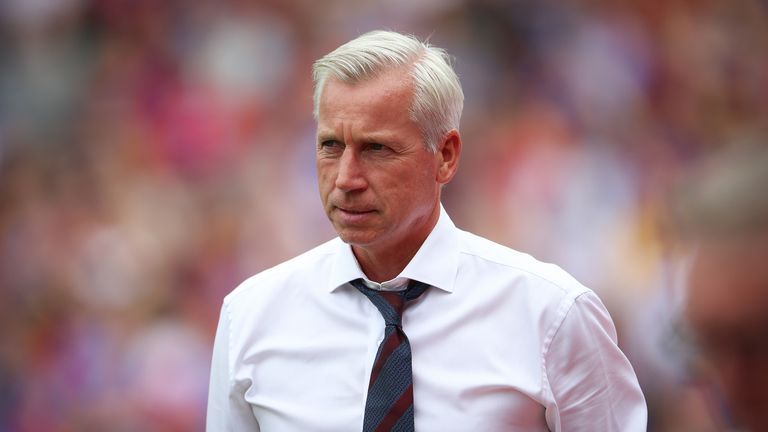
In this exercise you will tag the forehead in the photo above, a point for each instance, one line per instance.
(386, 96)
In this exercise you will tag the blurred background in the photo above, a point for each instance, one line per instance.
(153, 154)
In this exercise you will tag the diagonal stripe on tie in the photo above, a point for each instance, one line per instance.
(405, 423)
(390, 343)
(393, 381)
(400, 412)
(389, 406)
(389, 304)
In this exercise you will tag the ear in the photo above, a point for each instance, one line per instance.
(448, 153)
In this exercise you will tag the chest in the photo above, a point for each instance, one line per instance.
(472, 370)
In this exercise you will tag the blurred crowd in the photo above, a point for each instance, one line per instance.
(153, 154)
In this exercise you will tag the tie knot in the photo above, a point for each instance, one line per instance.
(391, 303)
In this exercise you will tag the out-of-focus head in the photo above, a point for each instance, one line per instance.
(723, 212)
(438, 99)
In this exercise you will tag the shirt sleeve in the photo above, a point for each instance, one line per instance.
(228, 411)
(593, 385)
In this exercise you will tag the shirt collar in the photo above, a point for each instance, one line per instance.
(436, 262)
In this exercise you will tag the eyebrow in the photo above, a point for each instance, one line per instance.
(382, 138)
(326, 136)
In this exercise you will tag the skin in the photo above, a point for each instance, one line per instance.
(727, 307)
(379, 184)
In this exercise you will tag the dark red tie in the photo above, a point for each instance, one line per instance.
(389, 406)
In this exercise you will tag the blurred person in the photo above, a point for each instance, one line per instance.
(723, 213)
(496, 340)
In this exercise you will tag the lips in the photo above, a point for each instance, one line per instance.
(353, 215)
(353, 210)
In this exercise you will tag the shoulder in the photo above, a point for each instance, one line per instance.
(295, 273)
(541, 292)
(521, 268)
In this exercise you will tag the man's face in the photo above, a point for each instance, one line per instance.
(379, 185)
(727, 307)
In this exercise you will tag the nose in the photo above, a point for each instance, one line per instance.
(351, 176)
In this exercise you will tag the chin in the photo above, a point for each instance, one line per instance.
(356, 238)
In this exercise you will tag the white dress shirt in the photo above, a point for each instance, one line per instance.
(501, 342)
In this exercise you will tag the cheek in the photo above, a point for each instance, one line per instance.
(325, 178)
(411, 192)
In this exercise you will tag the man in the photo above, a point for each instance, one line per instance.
(405, 322)
(725, 215)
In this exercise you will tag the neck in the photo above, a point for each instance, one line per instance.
(387, 262)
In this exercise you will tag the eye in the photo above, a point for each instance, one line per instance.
(330, 145)
(376, 146)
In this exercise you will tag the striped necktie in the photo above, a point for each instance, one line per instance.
(389, 406)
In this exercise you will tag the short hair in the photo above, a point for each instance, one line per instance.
(437, 97)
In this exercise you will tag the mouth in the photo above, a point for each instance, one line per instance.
(353, 215)
(353, 210)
